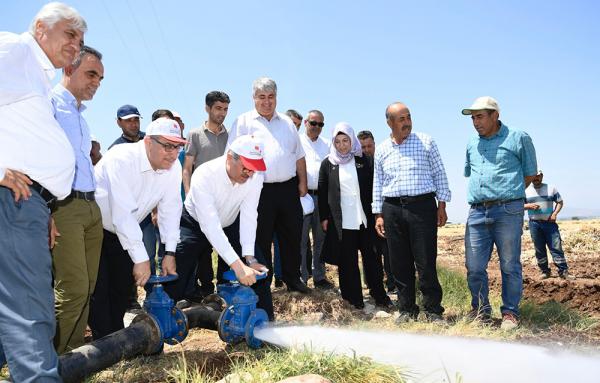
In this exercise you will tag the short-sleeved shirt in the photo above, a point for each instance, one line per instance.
(545, 196)
(497, 165)
(204, 145)
(124, 140)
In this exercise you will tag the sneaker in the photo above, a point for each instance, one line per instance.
(545, 274)
(509, 321)
(566, 275)
(324, 284)
(405, 317)
(278, 282)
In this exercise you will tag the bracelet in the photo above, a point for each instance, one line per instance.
(251, 261)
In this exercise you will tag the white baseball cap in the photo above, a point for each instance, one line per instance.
(482, 103)
(166, 128)
(251, 151)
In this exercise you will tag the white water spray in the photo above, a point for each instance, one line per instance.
(434, 358)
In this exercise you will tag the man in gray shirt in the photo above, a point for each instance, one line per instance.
(204, 144)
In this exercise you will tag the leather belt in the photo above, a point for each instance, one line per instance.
(88, 196)
(495, 202)
(313, 192)
(405, 200)
(45, 194)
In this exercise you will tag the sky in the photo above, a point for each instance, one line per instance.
(539, 59)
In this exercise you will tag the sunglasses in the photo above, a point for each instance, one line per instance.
(167, 147)
(315, 123)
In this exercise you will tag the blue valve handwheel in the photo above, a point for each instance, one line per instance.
(229, 275)
(160, 279)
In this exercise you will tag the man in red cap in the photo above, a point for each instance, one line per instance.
(221, 190)
(132, 180)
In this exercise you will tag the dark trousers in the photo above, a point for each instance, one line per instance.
(411, 231)
(113, 287)
(381, 249)
(194, 242)
(280, 212)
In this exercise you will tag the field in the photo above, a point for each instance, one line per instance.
(555, 313)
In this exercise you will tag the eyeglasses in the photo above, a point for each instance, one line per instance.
(167, 147)
(315, 123)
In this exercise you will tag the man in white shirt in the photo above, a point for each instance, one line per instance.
(131, 180)
(221, 190)
(279, 209)
(316, 149)
(36, 168)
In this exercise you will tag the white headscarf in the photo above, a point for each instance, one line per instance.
(336, 157)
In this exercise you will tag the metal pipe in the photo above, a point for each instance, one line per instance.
(141, 337)
(202, 317)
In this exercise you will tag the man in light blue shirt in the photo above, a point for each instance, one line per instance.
(77, 252)
(500, 163)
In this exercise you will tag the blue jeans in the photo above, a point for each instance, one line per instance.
(546, 233)
(500, 225)
(27, 322)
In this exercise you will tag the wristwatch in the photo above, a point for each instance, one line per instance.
(171, 253)
(251, 261)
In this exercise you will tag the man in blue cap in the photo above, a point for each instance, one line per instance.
(128, 119)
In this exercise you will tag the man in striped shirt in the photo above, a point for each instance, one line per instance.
(410, 191)
(543, 204)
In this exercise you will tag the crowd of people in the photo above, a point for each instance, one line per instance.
(81, 230)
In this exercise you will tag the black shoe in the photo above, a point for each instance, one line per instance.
(298, 286)
(324, 284)
(545, 274)
(385, 303)
(278, 282)
(358, 305)
(134, 305)
(434, 317)
(478, 315)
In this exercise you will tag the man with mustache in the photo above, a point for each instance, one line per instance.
(77, 252)
(36, 168)
(409, 178)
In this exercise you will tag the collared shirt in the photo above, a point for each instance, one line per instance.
(315, 151)
(215, 202)
(352, 212)
(411, 168)
(497, 166)
(32, 141)
(281, 142)
(545, 196)
(204, 145)
(128, 189)
(68, 115)
(126, 140)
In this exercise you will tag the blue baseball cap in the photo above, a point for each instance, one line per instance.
(128, 111)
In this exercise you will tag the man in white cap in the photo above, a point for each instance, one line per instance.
(36, 168)
(221, 190)
(500, 164)
(131, 181)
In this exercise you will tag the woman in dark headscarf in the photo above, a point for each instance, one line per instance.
(345, 187)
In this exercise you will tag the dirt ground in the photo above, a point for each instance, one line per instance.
(581, 243)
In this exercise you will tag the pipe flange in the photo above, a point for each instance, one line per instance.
(155, 344)
(180, 319)
(256, 318)
(224, 325)
(215, 302)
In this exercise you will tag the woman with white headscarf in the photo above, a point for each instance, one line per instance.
(345, 187)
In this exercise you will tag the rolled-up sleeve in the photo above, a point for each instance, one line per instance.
(169, 210)
(438, 174)
(122, 205)
(248, 216)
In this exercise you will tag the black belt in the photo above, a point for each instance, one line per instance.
(88, 196)
(44, 193)
(495, 202)
(313, 192)
(405, 200)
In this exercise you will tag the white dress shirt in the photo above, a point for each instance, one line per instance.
(215, 201)
(316, 151)
(32, 141)
(281, 142)
(127, 189)
(352, 211)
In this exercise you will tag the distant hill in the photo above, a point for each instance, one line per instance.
(576, 212)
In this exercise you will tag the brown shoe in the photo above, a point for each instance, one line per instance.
(509, 321)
